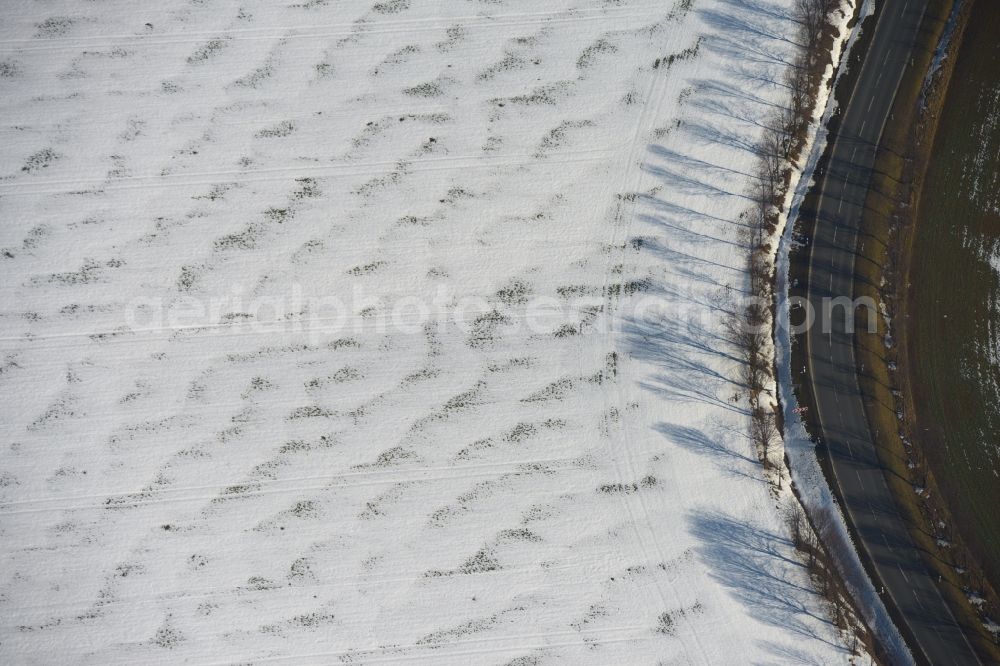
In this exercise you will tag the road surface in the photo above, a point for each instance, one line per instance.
(931, 628)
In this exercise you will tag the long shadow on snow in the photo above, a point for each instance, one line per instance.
(739, 24)
(693, 162)
(790, 655)
(682, 261)
(750, 562)
(690, 235)
(679, 351)
(724, 136)
(686, 213)
(730, 461)
(725, 90)
(689, 184)
(769, 10)
(676, 344)
(700, 442)
(750, 31)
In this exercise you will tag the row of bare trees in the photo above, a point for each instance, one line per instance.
(810, 539)
(781, 143)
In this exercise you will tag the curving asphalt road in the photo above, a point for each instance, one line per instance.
(932, 632)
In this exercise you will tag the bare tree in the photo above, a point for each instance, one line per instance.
(764, 432)
(811, 19)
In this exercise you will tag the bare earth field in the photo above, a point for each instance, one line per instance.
(954, 297)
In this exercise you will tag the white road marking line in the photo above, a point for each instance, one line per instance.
(900, 567)
(859, 478)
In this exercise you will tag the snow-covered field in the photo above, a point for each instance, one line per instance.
(384, 331)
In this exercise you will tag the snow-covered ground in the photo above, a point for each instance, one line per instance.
(385, 332)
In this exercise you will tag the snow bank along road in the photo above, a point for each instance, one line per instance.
(832, 370)
(228, 433)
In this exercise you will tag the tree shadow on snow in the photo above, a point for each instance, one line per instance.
(753, 564)
(683, 181)
(729, 460)
(686, 213)
(699, 441)
(682, 351)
